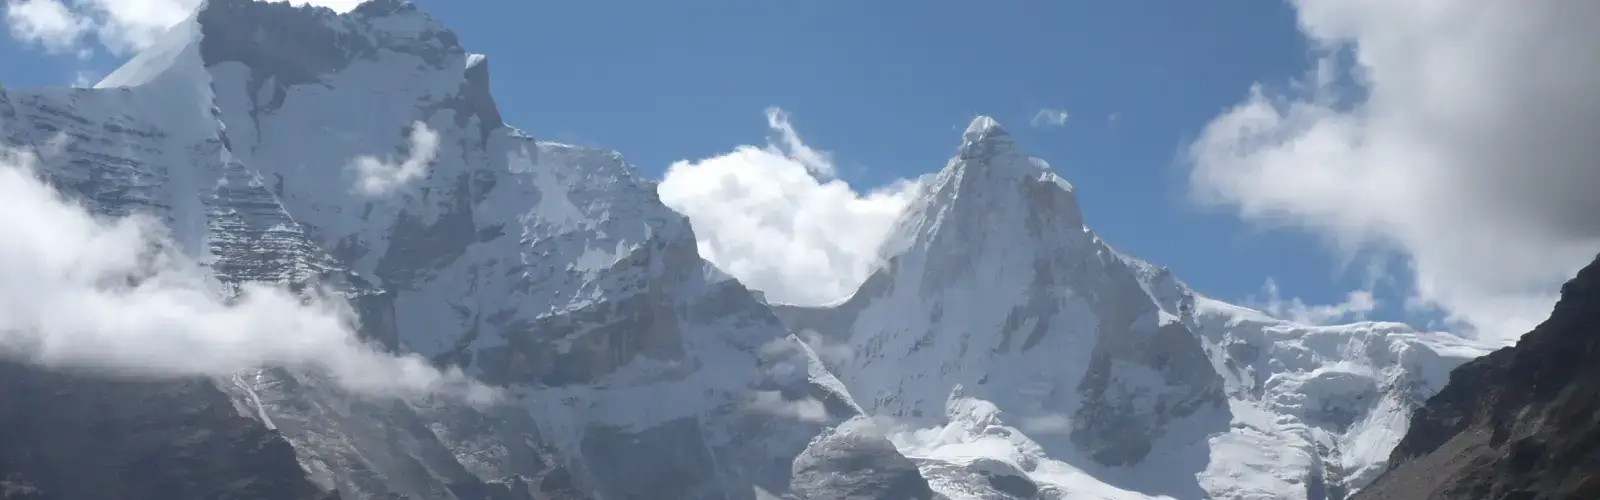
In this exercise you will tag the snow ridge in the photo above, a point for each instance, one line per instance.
(550, 269)
(1006, 338)
(1013, 353)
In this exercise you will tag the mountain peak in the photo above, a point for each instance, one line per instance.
(983, 127)
(984, 137)
(295, 44)
(276, 46)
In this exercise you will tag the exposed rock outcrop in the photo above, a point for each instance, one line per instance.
(853, 461)
(1521, 423)
(73, 437)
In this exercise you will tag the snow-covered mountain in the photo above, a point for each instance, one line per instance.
(1009, 352)
(638, 370)
(1023, 357)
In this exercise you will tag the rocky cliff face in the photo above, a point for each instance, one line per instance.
(1522, 422)
(635, 369)
(86, 438)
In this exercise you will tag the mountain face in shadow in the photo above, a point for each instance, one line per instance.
(1520, 423)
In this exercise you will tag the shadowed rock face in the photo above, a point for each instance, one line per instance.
(854, 462)
(67, 437)
(1520, 423)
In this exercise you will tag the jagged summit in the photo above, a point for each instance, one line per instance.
(984, 128)
(281, 45)
(991, 187)
(990, 143)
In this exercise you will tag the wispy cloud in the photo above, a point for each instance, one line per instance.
(84, 79)
(1048, 117)
(790, 146)
(1355, 307)
(114, 295)
(804, 408)
(381, 177)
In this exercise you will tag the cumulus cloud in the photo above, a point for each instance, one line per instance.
(113, 295)
(120, 27)
(84, 79)
(1355, 307)
(775, 218)
(48, 23)
(1047, 425)
(1458, 135)
(804, 408)
(381, 177)
(1047, 117)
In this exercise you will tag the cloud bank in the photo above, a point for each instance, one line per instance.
(120, 27)
(382, 177)
(1459, 135)
(77, 291)
(775, 218)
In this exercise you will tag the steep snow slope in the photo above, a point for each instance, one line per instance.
(639, 370)
(1012, 344)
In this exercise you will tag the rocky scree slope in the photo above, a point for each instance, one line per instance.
(636, 369)
(1024, 357)
(1520, 423)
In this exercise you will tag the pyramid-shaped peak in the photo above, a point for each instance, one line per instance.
(984, 128)
(984, 138)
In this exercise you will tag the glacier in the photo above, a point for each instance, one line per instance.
(1002, 351)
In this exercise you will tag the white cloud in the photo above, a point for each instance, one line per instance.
(78, 291)
(817, 162)
(1047, 117)
(805, 408)
(121, 27)
(382, 177)
(1468, 149)
(829, 352)
(1047, 424)
(48, 23)
(773, 218)
(1356, 306)
(84, 79)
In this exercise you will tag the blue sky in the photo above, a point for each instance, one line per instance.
(885, 87)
